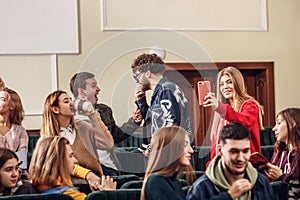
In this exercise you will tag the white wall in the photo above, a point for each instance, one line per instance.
(281, 44)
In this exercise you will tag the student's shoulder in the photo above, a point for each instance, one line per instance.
(157, 181)
(201, 181)
(202, 188)
(18, 128)
(263, 179)
(102, 107)
(250, 102)
(169, 85)
(25, 187)
(155, 177)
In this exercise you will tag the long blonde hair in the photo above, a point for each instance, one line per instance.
(49, 164)
(51, 125)
(14, 101)
(167, 146)
(239, 97)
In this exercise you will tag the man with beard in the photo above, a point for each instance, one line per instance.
(83, 85)
(230, 175)
(168, 104)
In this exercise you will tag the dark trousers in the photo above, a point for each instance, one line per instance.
(109, 171)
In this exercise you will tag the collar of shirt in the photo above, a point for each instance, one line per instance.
(68, 133)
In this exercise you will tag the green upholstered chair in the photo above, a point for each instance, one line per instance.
(124, 179)
(135, 140)
(131, 160)
(186, 189)
(267, 136)
(138, 184)
(37, 197)
(280, 189)
(267, 151)
(120, 194)
(83, 186)
(182, 182)
(31, 145)
(200, 157)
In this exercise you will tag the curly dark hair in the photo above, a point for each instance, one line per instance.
(150, 62)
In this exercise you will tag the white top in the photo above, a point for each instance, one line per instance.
(104, 155)
(106, 159)
(68, 133)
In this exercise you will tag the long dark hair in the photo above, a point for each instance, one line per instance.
(292, 118)
(167, 146)
(5, 155)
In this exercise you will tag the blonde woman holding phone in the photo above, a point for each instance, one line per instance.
(232, 103)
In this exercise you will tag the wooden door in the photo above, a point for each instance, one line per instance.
(259, 80)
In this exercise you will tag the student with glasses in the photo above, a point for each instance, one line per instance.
(168, 105)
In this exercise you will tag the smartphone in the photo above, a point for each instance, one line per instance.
(203, 89)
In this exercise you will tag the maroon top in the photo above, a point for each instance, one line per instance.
(285, 161)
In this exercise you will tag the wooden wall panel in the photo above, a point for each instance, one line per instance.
(259, 80)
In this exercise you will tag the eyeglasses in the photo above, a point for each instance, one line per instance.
(136, 76)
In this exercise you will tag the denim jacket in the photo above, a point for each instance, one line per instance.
(204, 188)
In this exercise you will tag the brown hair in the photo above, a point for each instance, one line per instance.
(5, 155)
(167, 146)
(51, 125)
(14, 100)
(48, 163)
(79, 81)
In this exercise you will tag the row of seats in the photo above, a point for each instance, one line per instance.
(267, 137)
(129, 186)
(278, 187)
(121, 194)
(133, 162)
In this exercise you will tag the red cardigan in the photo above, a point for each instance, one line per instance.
(248, 116)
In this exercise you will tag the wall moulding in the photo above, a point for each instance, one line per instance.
(203, 15)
